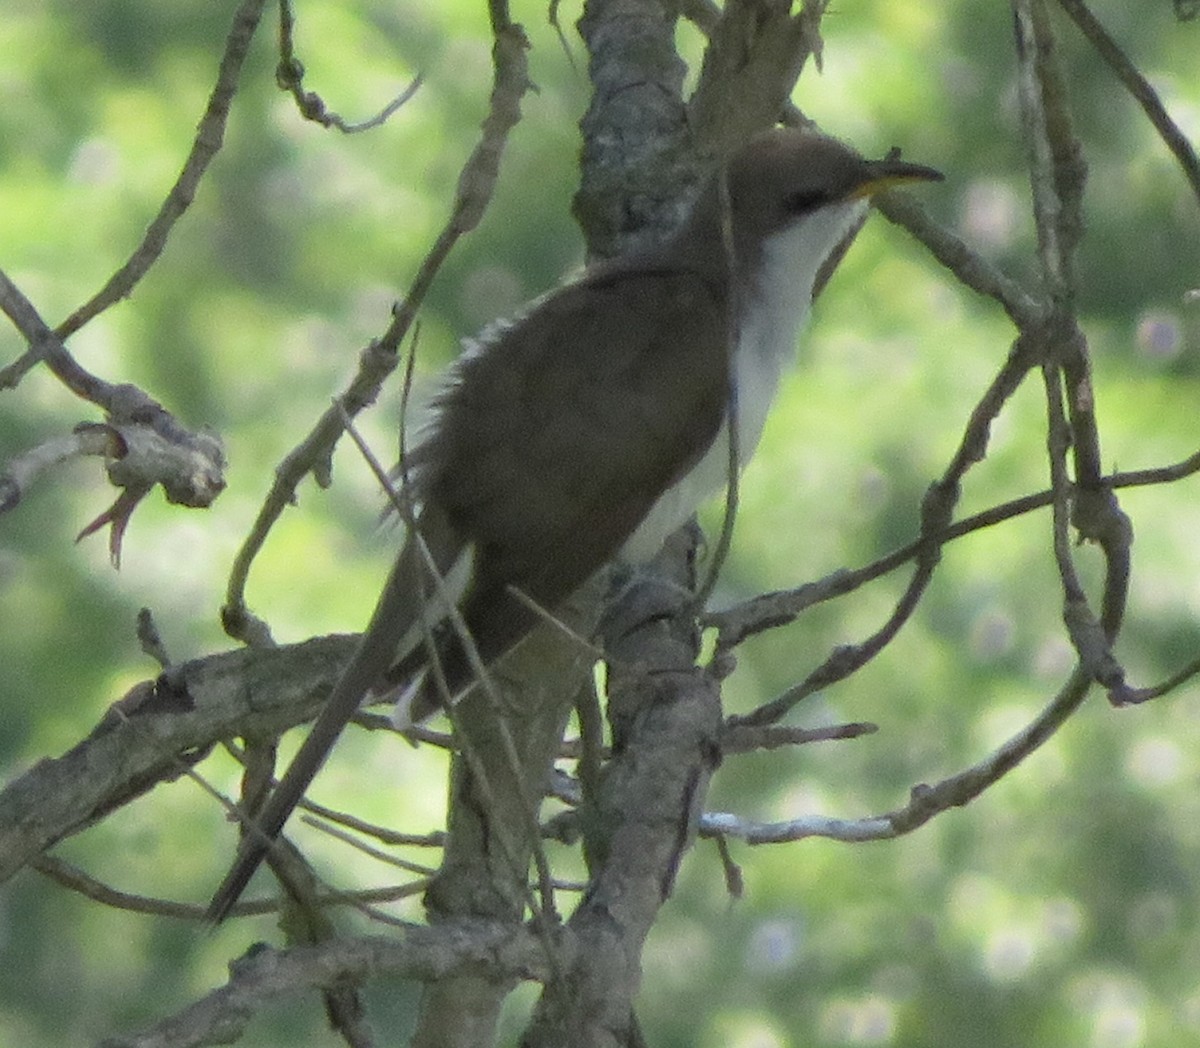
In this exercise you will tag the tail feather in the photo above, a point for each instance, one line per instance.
(409, 711)
(492, 620)
(397, 612)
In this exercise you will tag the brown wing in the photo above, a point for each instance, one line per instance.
(561, 434)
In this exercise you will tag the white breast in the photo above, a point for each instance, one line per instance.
(773, 313)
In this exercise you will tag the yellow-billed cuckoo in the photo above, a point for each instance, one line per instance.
(592, 427)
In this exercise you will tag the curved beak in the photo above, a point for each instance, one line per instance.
(883, 174)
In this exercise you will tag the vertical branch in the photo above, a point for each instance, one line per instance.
(1051, 146)
(756, 53)
(489, 844)
(633, 180)
(1057, 176)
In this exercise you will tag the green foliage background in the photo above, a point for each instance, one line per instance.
(1063, 908)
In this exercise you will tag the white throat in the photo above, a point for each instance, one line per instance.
(773, 310)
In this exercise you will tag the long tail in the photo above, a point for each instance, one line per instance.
(395, 615)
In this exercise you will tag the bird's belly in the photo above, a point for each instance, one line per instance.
(762, 352)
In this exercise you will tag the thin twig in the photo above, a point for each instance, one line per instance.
(773, 737)
(1057, 176)
(547, 913)
(21, 472)
(1058, 443)
(1137, 85)
(289, 75)
(1047, 204)
(563, 43)
(74, 879)
(925, 802)
(46, 344)
(144, 445)
(434, 839)
(375, 853)
(474, 191)
(971, 268)
(151, 640)
(733, 435)
(209, 138)
(556, 623)
(936, 511)
(783, 606)
(1133, 696)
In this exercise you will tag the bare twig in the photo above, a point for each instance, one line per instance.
(423, 953)
(366, 849)
(770, 610)
(732, 428)
(208, 141)
(483, 677)
(20, 473)
(735, 883)
(1138, 86)
(556, 623)
(74, 879)
(45, 344)
(925, 801)
(1029, 27)
(1057, 175)
(1133, 696)
(563, 43)
(971, 268)
(379, 359)
(773, 737)
(289, 75)
(936, 510)
(1082, 627)
(151, 640)
(434, 839)
(143, 443)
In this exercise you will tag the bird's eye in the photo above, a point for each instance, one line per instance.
(806, 200)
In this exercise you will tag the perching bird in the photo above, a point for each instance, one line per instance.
(592, 427)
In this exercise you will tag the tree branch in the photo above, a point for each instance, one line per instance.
(1138, 86)
(143, 442)
(925, 801)
(157, 732)
(379, 359)
(289, 75)
(210, 136)
(264, 975)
